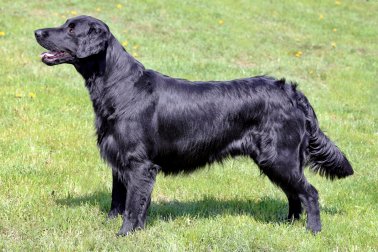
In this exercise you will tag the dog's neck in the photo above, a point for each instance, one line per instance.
(111, 69)
(112, 65)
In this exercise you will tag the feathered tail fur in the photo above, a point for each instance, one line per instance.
(324, 157)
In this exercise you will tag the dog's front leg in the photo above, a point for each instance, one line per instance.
(140, 181)
(118, 196)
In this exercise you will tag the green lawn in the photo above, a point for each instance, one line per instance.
(55, 189)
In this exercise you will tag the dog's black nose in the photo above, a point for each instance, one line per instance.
(40, 33)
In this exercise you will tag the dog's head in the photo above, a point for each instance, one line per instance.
(78, 38)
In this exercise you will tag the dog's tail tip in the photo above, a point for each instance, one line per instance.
(333, 170)
(346, 169)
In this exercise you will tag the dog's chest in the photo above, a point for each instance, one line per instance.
(117, 140)
(109, 149)
(109, 140)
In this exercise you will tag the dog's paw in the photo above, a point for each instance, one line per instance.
(314, 228)
(126, 229)
(113, 213)
(292, 217)
(123, 233)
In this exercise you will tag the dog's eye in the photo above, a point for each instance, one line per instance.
(71, 28)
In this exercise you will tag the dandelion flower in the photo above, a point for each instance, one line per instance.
(18, 94)
(2, 34)
(125, 43)
(135, 54)
(119, 6)
(73, 12)
(32, 95)
(333, 44)
(298, 54)
(321, 16)
(334, 30)
(221, 21)
(98, 9)
(337, 2)
(136, 47)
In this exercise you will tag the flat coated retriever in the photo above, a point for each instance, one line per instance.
(147, 122)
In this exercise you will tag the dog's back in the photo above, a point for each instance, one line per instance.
(200, 122)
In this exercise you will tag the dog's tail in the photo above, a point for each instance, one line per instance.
(324, 157)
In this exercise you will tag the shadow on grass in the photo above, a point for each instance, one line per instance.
(265, 210)
(269, 210)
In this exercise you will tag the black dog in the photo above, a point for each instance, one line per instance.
(148, 122)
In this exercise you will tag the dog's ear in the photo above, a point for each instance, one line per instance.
(94, 41)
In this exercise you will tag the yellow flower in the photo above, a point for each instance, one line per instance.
(135, 54)
(333, 44)
(73, 12)
(321, 16)
(125, 43)
(221, 21)
(63, 16)
(2, 33)
(298, 54)
(32, 95)
(19, 94)
(119, 6)
(334, 30)
(337, 2)
(136, 47)
(98, 9)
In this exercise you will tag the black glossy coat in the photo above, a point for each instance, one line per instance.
(147, 122)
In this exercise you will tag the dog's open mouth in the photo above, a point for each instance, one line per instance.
(52, 57)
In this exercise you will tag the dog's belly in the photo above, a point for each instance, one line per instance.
(176, 160)
(173, 163)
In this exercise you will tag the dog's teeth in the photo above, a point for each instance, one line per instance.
(47, 54)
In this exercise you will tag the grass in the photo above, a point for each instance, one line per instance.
(55, 190)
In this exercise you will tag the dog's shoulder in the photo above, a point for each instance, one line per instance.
(147, 81)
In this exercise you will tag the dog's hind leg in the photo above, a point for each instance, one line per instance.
(299, 192)
(309, 198)
(286, 171)
(118, 197)
(140, 181)
(295, 206)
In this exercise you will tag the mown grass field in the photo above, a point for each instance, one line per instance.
(55, 189)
